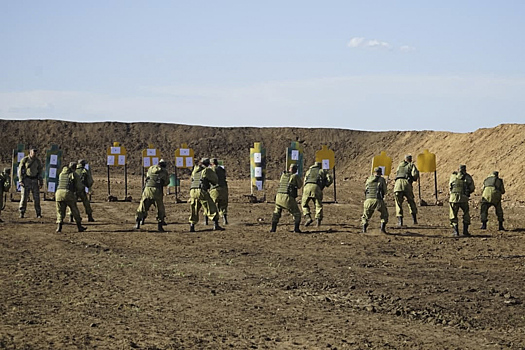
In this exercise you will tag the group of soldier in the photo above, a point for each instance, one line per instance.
(209, 192)
(461, 186)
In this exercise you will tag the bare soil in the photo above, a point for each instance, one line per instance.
(332, 287)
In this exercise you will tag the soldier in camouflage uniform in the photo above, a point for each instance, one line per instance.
(315, 180)
(219, 192)
(286, 196)
(461, 187)
(69, 185)
(492, 189)
(31, 180)
(87, 181)
(156, 179)
(406, 174)
(5, 185)
(202, 178)
(375, 191)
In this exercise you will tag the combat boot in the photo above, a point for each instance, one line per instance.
(465, 230)
(383, 227)
(80, 227)
(296, 227)
(455, 233)
(164, 223)
(71, 218)
(483, 225)
(21, 216)
(319, 222)
(274, 227)
(308, 221)
(500, 227)
(216, 226)
(143, 221)
(225, 220)
(192, 227)
(365, 226)
(159, 227)
(90, 218)
(205, 220)
(59, 227)
(399, 221)
(414, 217)
(137, 224)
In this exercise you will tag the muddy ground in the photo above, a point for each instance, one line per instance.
(332, 287)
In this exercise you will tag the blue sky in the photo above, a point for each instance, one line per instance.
(365, 65)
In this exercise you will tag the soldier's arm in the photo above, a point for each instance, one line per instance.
(40, 171)
(415, 172)
(20, 169)
(211, 176)
(502, 187)
(298, 181)
(165, 178)
(329, 178)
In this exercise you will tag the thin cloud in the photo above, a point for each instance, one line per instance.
(360, 42)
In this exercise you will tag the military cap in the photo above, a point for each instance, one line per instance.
(34, 149)
(81, 162)
(162, 163)
(205, 161)
(378, 170)
(495, 173)
(215, 161)
(317, 163)
(72, 165)
(462, 167)
(408, 157)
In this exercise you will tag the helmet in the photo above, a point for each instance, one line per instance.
(462, 167)
(72, 165)
(162, 163)
(205, 161)
(495, 173)
(378, 170)
(82, 162)
(215, 161)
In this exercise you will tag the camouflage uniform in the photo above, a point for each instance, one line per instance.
(286, 196)
(406, 174)
(5, 185)
(219, 192)
(31, 180)
(461, 186)
(202, 178)
(69, 185)
(156, 179)
(315, 180)
(87, 181)
(493, 188)
(375, 191)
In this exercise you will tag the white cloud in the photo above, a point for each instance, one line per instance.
(360, 42)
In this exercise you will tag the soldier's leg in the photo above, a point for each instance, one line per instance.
(143, 208)
(319, 211)
(36, 197)
(466, 213)
(399, 198)
(484, 211)
(368, 210)
(411, 202)
(24, 196)
(87, 205)
(306, 207)
(277, 212)
(210, 209)
(195, 206)
(224, 201)
(1, 201)
(74, 210)
(61, 211)
(161, 209)
(499, 212)
(383, 210)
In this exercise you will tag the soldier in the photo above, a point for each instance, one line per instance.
(156, 179)
(87, 181)
(69, 185)
(202, 178)
(375, 191)
(5, 185)
(461, 186)
(406, 174)
(219, 192)
(315, 180)
(31, 180)
(492, 190)
(286, 196)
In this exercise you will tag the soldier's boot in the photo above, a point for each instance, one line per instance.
(274, 227)
(296, 227)
(192, 227)
(455, 233)
(143, 221)
(71, 218)
(216, 226)
(500, 227)
(465, 230)
(80, 227)
(319, 222)
(159, 227)
(399, 221)
(383, 227)
(205, 220)
(225, 220)
(90, 218)
(308, 221)
(483, 225)
(365, 226)
(21, 216)
(414, 217)
(164, 223)
(137, 224)
(59, 227)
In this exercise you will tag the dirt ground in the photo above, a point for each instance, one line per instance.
(332, 287)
